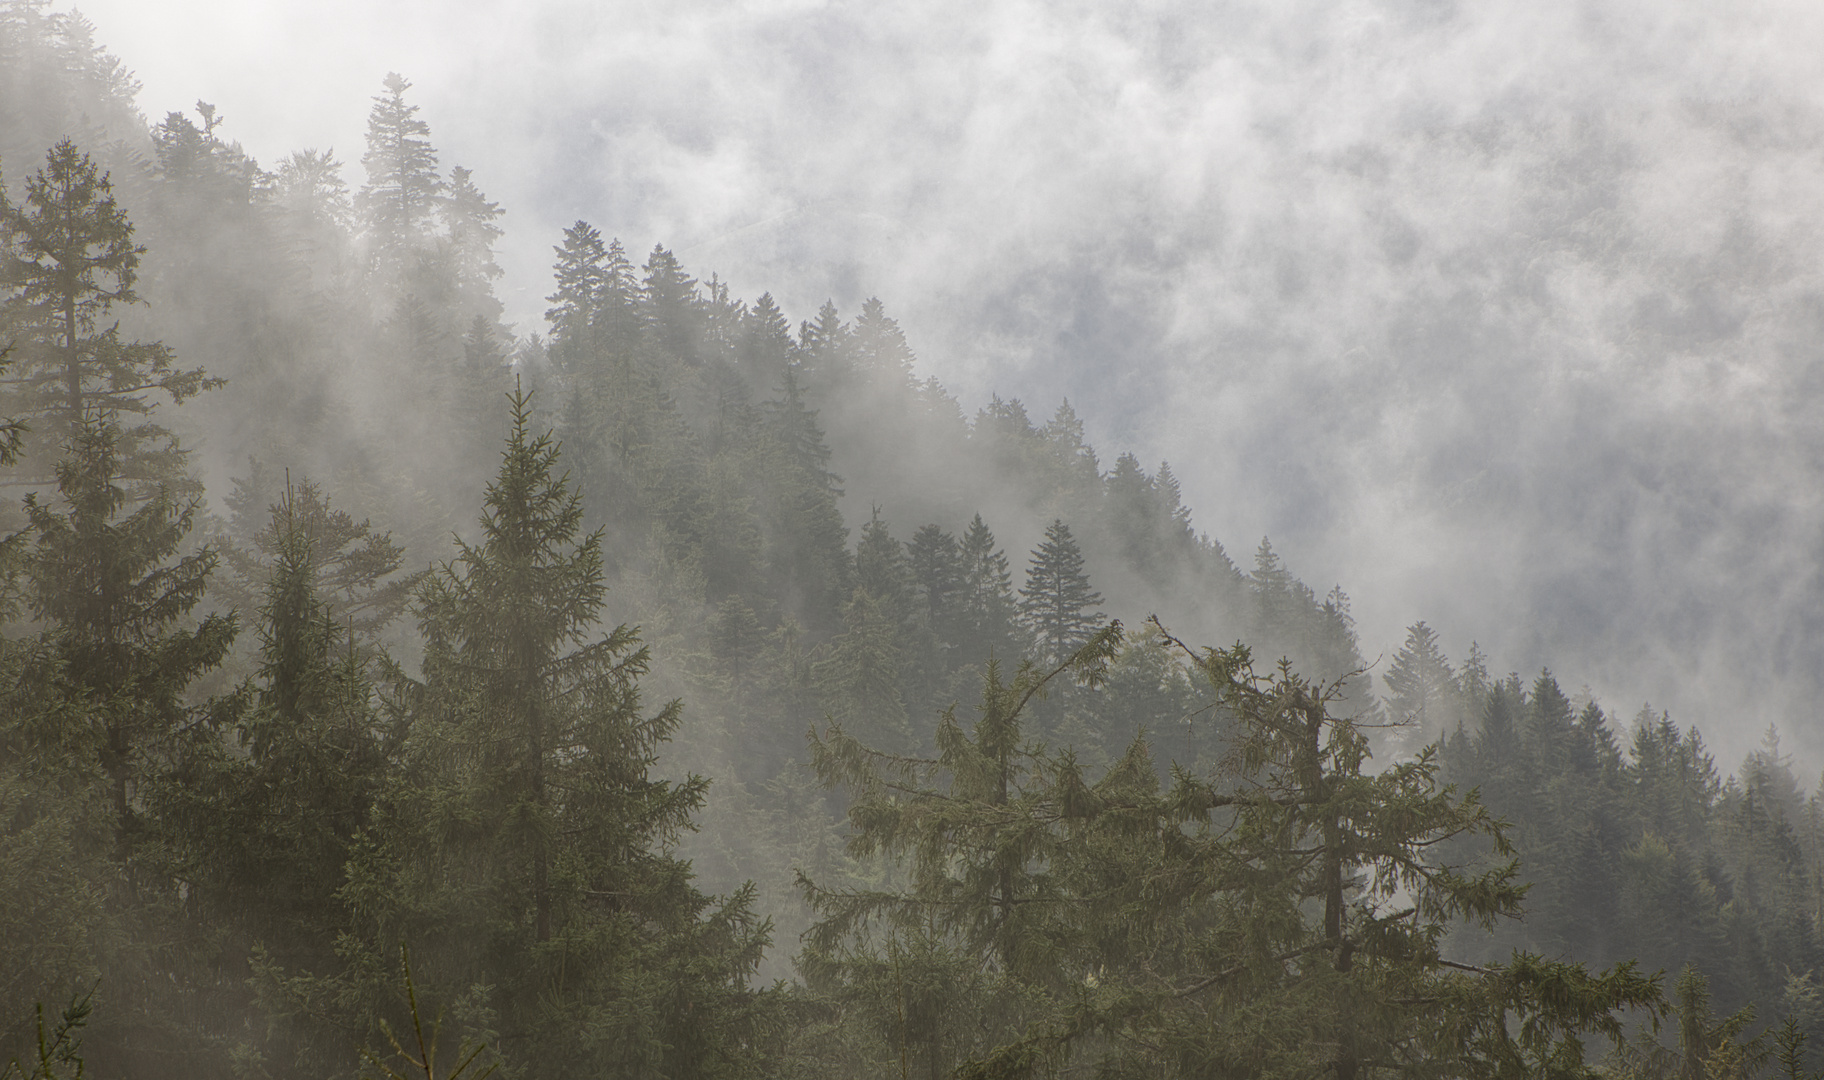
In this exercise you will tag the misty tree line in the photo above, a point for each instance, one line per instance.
(249, 756)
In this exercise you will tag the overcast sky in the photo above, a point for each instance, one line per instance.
(1503, 315)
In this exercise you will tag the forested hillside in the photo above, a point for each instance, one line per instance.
(686, 688)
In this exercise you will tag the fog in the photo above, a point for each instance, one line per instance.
(1502, 315)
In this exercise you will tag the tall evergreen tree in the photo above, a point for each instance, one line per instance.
(823, 349)
(1056, 602)
(937, 566)
(262, 829)
(403, 186)
(309, 191)
(582, 274)
(1420, 682)
(114, 593)
(989, 610)
(671, 303)
(881, 352)
(766, 348)
(75, 261)
(470, 233)
(529, 853)
(806, 541)
(356, 569)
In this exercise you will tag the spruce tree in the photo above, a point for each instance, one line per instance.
(937, 566)
(403, 187)
(670, 305)
(881, 352)
(470, 235)
(581, 274)
(765, 353)
(823, 350)
(261, 828)
(113, 593)
(528, 853)
(1281, 917)
(356, 570)
(1421, 683)
(74, 261)
(1056, 602)
(806, 542)
(989, 611)
(317, 214)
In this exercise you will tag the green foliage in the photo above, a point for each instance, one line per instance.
(403, 187)
(424, 1047)
(523, 846)
(1282, 917)
(1056, 601)
(73, 259)
(110, 589)
(59, 1052)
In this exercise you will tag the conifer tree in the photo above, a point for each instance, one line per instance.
(1072, 459)
(1549, 720)
(113, 594)
(880, 348)
(1421, 682)
(403, 186)
(529, 851)
(860, 676)
(989, 611)
(822, 355)
(1281, 918)
(806, 541)
(936, 563)
(670, 304)
(261, 830)
(356, 570)
(582, 274)
(880, 565)
(75, 261)
(1056, 601)
(766, 348)
(470, 233)
(308, 188)
(1275, 595)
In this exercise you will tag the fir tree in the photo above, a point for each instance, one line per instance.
(670, 305)
(75, 261)
(1420, 681)
(262, 832)
(823, 352)
(881, 352)
(988, 608)
(356, 569)
(316, 212)
(581, 274)
(113, 593)
(530, 854)
(937, 566)
(1056, 601)
(806, 540)
(403, 187)
(766, 347)
(470, 232)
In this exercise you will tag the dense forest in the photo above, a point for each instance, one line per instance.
(386, 690)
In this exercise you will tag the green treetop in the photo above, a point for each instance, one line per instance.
(1056, 603)
(403, 187)
(73, 261)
